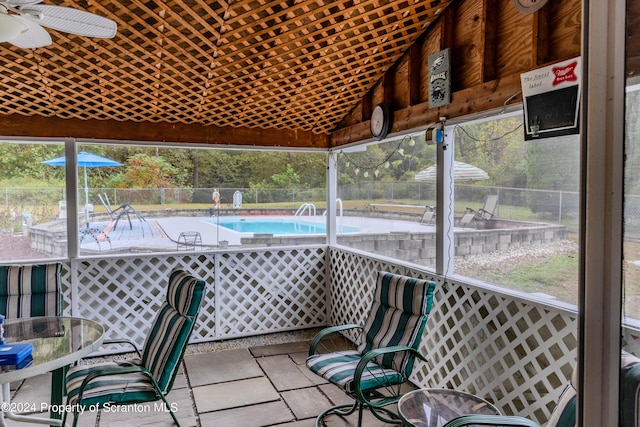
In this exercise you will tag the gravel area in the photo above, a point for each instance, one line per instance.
(528, 252)
(256, 341)
(16, 247)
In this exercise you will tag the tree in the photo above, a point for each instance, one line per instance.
(23, 161)
(286, 179)
(496, 146)
(143, 171)
(552, 164)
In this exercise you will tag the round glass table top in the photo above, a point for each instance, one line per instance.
(56, 341)
(436, 407)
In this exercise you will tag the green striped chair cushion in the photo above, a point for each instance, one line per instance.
(184, 293)
(398, 316)
(630, 391)
(161, 355)
(130, 388)
(170, 331)
(339, 368)
(30, 290)
(165, 345)
(564, 414)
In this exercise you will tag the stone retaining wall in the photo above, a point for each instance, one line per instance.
(420, 248)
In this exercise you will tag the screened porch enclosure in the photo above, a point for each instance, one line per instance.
(506, 347)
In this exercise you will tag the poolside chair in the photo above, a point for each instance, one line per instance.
(429, 215)
(149, 377)
(121, 211)
(390, 337)
(486, 212)
(466, 219)
(30, 291)
(564, 414)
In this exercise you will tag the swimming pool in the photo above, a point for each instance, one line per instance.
(277, 226)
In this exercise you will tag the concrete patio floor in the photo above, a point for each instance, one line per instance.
(264, 385)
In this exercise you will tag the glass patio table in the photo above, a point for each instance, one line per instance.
(434, 407)
(57, 342)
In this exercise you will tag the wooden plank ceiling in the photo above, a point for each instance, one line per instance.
(283, 72)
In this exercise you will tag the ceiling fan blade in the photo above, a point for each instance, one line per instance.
(35, 36)
(70, 20)
(22, 2)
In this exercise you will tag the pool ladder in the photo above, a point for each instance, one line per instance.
(338, 202)
(310, 207)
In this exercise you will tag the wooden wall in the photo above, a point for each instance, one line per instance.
(491, 44)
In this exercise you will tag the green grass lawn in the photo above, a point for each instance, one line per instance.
(555, 275)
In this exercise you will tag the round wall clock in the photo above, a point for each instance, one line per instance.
(380, 121)
(529, 6)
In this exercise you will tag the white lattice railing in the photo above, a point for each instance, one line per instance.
(248, 293)
(506, 347)
(513, 351)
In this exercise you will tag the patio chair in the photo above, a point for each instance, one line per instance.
(486, 212)
(390, 338)
(149, 377)
(466, 219)
(30, 291)
(564, 414)
(121, 211)
(428, 216)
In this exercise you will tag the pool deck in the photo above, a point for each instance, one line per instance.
(166, 232)
(207, 226)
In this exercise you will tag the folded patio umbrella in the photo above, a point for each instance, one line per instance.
(461, 172)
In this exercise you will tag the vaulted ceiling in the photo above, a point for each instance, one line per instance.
(288, 73)
(236, 72)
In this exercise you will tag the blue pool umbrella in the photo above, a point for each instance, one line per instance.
(85, 160)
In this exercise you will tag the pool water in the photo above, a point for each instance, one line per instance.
(277, 226)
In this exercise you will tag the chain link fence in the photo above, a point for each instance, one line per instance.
(557, 207)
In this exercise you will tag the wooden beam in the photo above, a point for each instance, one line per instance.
(483, 97)
(413, 75)
(367, 107)
(387, 88)
(447, 27)
(54, 127)
(487, 44)
(540, 40)
(633, 39)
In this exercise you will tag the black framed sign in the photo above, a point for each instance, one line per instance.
(551, 100)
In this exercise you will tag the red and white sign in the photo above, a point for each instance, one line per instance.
(551, 99)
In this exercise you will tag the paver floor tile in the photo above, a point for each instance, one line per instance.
(218, 367)
(283, 373)
(264, 414)
(234, 394)
(306, 402)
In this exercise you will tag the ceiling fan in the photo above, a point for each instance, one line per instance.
(21, 23)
